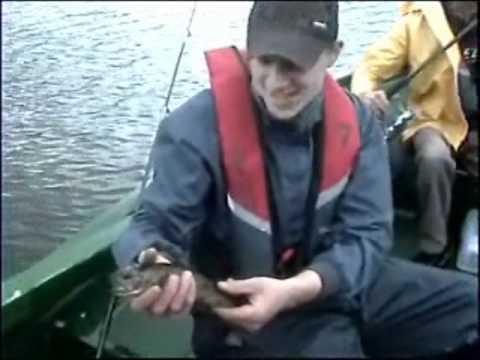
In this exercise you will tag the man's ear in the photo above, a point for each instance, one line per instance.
(245, 57)
(334, 52)
(244, 54)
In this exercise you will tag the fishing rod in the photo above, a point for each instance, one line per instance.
(179, 58)
(148, 166)
(407, 115)
(404, 82)
(114, 299)
(106, 326)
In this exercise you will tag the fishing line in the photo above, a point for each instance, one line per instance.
(148, 166)
(179, 58)
(114, 299)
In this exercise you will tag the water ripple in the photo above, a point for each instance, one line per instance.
(83, 90)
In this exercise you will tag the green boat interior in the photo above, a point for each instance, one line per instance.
(58, 306)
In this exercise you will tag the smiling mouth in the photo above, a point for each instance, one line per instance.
(284, 101)
(285, 93)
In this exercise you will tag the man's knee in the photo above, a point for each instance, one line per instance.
(468, 289)
(467, 293)
(431, 146)
(436, 164)
(457, 322)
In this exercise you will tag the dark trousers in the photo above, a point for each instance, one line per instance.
(428, 162)
(409, 310)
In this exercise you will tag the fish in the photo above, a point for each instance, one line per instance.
(133, 280)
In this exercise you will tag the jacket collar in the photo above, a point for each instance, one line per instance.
(437, 20)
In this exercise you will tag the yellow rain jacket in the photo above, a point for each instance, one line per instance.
(422, 29)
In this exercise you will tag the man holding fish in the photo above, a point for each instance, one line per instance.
(275, 184)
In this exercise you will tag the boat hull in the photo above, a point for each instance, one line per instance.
(58, 306)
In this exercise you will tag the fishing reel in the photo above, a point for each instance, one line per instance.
(396, 119)
(400, 123)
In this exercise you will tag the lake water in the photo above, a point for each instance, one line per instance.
(83, 90)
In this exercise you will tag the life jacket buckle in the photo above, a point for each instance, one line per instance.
(288, 263)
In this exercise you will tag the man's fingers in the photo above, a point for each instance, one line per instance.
(380, 100)
(192, 295)
(376, 104)
(189, 300)
(168, 292)
(146, 299)
(180, 298)
(237, 314)
(239, 287)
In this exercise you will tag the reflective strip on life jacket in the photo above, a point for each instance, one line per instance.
(325, 196)
(248, 216)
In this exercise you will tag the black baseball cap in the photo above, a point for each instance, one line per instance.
(296, 30)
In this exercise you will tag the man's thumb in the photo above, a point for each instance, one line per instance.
(237, 287)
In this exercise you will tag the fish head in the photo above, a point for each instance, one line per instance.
(129, 281)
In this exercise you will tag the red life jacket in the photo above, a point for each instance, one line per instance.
(242, 154)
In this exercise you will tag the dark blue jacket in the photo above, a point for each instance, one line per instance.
(184, 209)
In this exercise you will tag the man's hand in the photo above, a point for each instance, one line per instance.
(377, 99)
(267, 297)
(176, 297)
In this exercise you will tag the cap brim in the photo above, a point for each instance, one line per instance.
(303, 50)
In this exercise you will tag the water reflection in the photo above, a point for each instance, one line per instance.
(83, 86)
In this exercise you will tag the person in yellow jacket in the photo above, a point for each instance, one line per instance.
(444, 98)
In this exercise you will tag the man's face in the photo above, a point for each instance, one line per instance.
(285, 87)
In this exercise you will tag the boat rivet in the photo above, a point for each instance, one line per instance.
(60, 324)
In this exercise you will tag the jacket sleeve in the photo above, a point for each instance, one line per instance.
(361, 235)
(172, 207)
(383, 60)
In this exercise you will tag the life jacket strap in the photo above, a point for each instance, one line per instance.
(289, 262)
